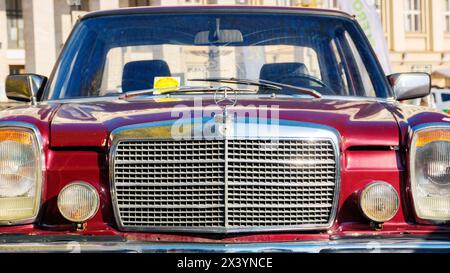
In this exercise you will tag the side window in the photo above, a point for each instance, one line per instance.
(359, 74)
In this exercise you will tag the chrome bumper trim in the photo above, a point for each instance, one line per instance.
(338, 246)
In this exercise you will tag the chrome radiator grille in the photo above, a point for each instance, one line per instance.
(224, 185)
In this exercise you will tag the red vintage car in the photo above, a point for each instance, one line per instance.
(210, 129)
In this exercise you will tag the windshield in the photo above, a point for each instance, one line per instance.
(112, 55)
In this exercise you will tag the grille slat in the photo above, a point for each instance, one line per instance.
(224, 184)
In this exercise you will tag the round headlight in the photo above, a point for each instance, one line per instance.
(78, 202)
(20, 174)
(435, 162)
(17, 169)
(379, 202)
(430, 173)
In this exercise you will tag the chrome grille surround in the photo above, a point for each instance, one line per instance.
(221, 202)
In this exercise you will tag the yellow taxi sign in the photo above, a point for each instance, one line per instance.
(166, 100)
(166, 84)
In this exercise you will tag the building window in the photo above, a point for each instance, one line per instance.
(84, 5)
(139, 3)
(16, 69)
(190, 2)
(284, 3)
(330, 4)
(447, 15)
(14, 17)
(413, 16)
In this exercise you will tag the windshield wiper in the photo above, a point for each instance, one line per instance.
(262, 83)
(168, 91)
(187, 89)
(238, 81)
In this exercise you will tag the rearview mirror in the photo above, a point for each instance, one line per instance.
(408, 86)
(24, 87)
(222, 36)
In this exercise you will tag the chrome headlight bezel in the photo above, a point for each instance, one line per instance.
(40, 177)
(413, 182)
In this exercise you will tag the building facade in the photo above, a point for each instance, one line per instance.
(33, 32)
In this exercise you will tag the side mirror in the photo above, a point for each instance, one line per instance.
(408, 86)
(25, 87)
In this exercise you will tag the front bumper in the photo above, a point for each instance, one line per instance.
(77, 244)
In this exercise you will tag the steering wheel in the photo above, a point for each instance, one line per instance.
(290, 78)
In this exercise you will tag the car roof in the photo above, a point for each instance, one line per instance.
(216, 8)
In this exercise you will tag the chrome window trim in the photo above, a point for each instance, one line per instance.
(41, 182)
(303, 130)
(412, 152)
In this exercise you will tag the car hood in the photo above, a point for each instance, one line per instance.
(89, 124)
